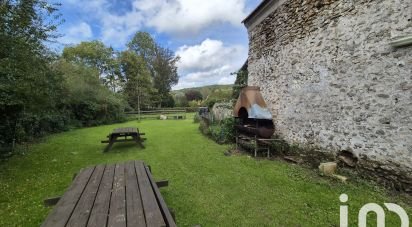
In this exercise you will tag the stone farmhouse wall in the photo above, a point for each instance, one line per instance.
(332, 80)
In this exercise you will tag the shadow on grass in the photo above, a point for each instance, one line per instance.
(124, 147)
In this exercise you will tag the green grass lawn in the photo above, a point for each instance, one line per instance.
(205, 187)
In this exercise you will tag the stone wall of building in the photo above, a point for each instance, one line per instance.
(332, 80)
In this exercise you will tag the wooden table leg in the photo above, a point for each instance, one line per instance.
(108, 147)
(138, 141)
(111, 141)
(256, 146)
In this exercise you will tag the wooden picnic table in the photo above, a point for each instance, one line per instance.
(124, 132)
(112, 195)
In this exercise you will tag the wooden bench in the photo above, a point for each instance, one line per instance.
(124, 132)
(122, 194)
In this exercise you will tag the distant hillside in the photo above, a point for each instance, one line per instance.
(205, 90)
(211, 94)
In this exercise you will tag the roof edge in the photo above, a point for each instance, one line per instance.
(261, 12)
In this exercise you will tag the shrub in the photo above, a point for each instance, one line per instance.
(222, 132)
(227, 130)
(204, 127)
(196, 118)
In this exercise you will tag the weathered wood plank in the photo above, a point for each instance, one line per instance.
(151, 208)
(169, 218)
(81, 212)
(117, 213)
(125, 130)
(134, 207)
(63, 210)
(99, 214)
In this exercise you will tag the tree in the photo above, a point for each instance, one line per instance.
(86, 100)
(165, 69)
(193, 95)
(143, 45)
(168, 101)
(160, 61)
(138, 85)
(96, 54)
(29, 89)
(180, 99)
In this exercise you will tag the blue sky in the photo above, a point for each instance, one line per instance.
(206, 34)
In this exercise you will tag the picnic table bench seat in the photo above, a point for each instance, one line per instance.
(117, 195)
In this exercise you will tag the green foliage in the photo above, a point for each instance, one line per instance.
(194, 103)
(240, 82)
(160, 61)
(192, 109)
(218, 95)
(210, 102)
(165, 68)
(87, 100)
(193, 95)
(210, 95)
(196, 118)
(143, 45)
(29, 89)
(205, 90)
(204, 127)
(180, 99)
(221, 132)
(95, 54)
(168, 101)
(137, 87)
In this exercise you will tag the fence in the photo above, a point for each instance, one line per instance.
(167, 113)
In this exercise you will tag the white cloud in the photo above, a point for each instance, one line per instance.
(210, 62)
(185, 17)
(115, 28)
(207, 55)
(177, 17)
(118, 28)
(77, 33)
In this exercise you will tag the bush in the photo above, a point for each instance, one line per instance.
(204, 127)
(76, 98)
(196, 118)
(223, 132)
(227, 130)
(210, 103)
(88, 101)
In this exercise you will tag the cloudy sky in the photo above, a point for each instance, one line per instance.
(206, 34)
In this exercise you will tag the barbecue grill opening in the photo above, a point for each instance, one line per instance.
(243, 114)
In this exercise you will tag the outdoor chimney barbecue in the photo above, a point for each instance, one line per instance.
(254, 125)
(253, 114)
